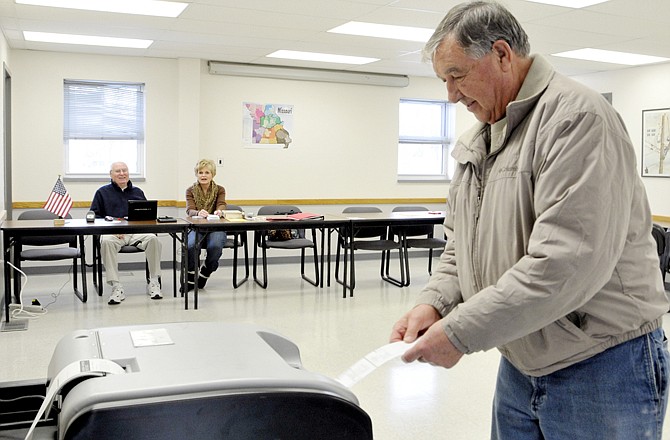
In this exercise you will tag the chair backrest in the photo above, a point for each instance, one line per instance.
(658, 233)
(234, 207)
(414, 230)
(281, 210)
(39, 214)
(278, 210)
(366, 231)
(662, 246)
(665, 259)
(361, 209)
(43, 214)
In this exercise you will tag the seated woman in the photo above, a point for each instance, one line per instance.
(203, 198)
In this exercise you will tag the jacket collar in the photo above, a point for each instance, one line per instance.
(536, 82)
(471, 146)
(118, 188)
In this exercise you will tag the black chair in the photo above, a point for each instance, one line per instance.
(659, 234)
(264, 241)
(50, 248)
(371, 238)
(234, 241)
(417, 236)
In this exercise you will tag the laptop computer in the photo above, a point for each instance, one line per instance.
(142, 210)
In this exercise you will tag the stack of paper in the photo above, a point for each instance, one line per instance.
(232, 214)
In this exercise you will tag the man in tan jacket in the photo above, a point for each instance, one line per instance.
(550, 256)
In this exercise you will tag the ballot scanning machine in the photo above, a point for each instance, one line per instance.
(195, 380)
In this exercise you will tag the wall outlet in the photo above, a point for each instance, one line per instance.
(219, 162)
(27, 307)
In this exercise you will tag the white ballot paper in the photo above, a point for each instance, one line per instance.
(151, 337)
(371, 361)
(75, 370)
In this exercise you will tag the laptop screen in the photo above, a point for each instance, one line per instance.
(142, 210)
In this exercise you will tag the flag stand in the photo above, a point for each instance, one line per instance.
(59, 222)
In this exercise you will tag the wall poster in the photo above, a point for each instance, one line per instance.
(655, 142)
(266, 125)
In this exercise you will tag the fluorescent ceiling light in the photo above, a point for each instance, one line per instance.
(384, 31)
(307, 74)
(569, 3)
(87, 40)
(140, 7)
(321, 57)
(609, 56)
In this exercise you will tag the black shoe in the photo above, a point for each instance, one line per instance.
(203, 277)
(190, 282)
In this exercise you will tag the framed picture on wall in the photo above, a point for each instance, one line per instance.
(655, 142)
(266, 125)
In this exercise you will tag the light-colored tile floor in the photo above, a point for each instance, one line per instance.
(403, 401)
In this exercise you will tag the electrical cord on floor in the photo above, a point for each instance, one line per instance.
(8, 405)
(18, 399)
(21, 311)
(57, 294)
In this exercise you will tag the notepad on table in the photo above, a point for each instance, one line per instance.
(304, 216)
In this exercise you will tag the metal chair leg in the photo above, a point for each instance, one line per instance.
(315, 281)
(263, 283)
(244, 242)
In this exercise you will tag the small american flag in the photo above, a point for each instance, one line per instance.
(59, 201)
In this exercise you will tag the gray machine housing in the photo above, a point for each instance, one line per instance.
(209, 380)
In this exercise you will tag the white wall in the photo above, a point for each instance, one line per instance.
(344, 136)
(4, 60)
(634, 90)
(38, 119)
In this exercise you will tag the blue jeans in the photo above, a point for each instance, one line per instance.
(213, 242)
(620, 394)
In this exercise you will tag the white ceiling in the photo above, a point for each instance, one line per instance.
(247, 30)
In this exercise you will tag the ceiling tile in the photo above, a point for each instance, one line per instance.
(231, 30)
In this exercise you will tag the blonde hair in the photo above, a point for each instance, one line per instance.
(205, 163)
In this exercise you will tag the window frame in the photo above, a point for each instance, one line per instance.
(445, 140)
(139, 134)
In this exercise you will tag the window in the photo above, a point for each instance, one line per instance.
(425, 140)
(103, 123)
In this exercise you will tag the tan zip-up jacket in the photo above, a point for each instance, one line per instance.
(550, 256)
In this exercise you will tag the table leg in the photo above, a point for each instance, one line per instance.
(198, 247)
(323, 242)
(8, 289)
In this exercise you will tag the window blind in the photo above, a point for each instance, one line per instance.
(96, 110)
